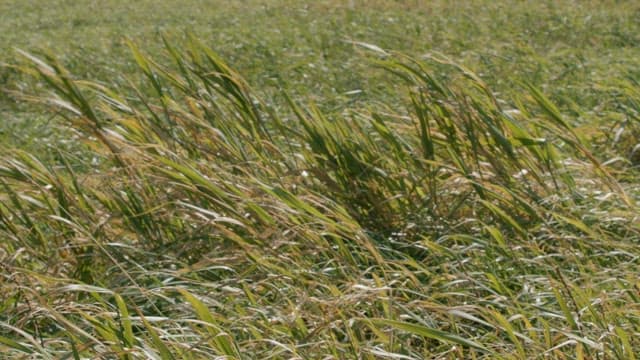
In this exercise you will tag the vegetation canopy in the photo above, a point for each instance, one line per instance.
(438, 210)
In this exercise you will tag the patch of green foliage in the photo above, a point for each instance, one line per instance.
(398, 180)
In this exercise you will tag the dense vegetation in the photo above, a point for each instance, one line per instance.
(273, 179)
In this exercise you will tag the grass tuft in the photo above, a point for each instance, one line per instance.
(205, 218)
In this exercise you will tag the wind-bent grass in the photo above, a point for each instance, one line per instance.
(211, 225)
(576, 54)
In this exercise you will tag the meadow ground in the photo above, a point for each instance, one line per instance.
(287, 179)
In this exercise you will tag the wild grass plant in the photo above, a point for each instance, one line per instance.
(214, 226)
(204, 219)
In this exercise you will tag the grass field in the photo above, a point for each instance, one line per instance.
(270, 179)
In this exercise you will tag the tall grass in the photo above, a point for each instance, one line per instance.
(211, 224)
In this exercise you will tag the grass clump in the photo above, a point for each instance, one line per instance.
(345, 201)
(211, 224)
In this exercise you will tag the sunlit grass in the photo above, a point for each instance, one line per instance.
(202, 214)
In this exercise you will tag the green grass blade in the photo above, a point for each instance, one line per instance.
(428, 333)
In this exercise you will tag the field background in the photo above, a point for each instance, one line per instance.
(330, 179)
(574, 51)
